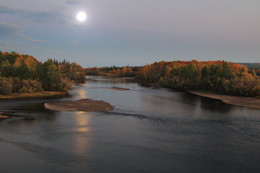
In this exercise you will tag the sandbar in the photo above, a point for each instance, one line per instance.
(119, 88)
(86, 105)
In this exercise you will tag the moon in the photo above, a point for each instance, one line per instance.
(81, 16)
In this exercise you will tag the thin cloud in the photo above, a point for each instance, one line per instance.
(3, 42)
(6, 48)
(3, 45)
(36, 16)
(9, 30)
(73, 2)
(30, 39)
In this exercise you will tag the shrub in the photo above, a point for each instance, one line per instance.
(6, 86)
(29, 86)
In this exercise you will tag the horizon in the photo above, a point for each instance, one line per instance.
(131, 65)
(242, 63)
(136, 34)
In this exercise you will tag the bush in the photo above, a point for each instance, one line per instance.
(6, 86)
(30, 86)
(24, 89)
(65, 84)
(17, 85)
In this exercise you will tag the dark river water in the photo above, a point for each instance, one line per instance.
(150, 130)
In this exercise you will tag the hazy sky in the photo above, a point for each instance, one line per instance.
(132, 32)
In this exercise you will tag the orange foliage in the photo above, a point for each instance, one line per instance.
(217, 76)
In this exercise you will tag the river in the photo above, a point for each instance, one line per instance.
(150, 130)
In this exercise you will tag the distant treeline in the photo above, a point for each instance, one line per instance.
(126, 71)
(254, 66)
(215, 76)
(257, 71)
(25, 74)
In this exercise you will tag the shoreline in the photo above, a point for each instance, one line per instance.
(233, 100)
(33, 95)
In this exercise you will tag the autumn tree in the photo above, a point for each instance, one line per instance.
(218, 76)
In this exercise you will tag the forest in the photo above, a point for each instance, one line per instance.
(25, 74)
(127, 71)
(213, 76)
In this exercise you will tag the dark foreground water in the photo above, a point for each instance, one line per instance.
(150, 130)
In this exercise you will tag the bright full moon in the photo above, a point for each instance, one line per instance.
(81, 16)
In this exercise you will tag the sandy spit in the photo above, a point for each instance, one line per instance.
(234, 100)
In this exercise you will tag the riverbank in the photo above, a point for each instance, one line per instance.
(33, 95)
(86, 105)
(234, 100)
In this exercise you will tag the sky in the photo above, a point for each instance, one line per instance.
(132, 32)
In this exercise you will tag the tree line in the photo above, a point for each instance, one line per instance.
(126, 71)
(25, 74)
(215, 76)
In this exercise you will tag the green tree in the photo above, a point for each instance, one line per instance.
(50, 78)
(48, 75)
(226, 71)
(23, 72)
(7, 70)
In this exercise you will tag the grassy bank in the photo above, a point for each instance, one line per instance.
(33, 95)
